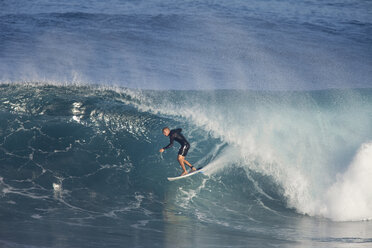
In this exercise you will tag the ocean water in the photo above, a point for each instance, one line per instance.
(274, 97)
(157, 44)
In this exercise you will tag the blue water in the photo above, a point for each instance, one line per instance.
(274, 97)
(272, 45)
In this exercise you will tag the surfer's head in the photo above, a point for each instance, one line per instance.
(166, 131)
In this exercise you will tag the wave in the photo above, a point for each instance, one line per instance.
(93, 149)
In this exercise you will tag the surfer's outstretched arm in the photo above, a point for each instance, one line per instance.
(169, 145)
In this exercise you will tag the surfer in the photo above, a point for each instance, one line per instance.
(175, 135)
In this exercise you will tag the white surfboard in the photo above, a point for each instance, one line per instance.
(187, 175)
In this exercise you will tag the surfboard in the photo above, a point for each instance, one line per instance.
(187, 175)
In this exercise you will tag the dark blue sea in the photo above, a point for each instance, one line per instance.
(275, 98)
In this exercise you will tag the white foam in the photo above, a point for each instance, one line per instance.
(36, 216)
(57, 187)
(140, 223)
(350, 197)
(226, 158)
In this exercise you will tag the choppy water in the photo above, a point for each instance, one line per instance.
(87, 86)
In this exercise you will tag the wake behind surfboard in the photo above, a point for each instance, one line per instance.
(187, 175)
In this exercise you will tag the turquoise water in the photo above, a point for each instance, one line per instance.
(80, 168)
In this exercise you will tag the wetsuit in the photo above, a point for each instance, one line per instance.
(175, 135)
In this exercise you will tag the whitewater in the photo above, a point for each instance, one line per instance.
(275, 98)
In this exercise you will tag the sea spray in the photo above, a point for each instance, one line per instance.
(350, 197)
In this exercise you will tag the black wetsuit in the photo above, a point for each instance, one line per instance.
(175, 135)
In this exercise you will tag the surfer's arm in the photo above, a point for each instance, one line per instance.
(168, 146)
(178, 130)
(170, 143)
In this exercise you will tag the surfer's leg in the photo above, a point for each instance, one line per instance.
(190, 165)
(181, 160)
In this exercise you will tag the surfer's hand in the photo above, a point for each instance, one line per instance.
(161, 150)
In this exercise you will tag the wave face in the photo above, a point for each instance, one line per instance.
(84, 160)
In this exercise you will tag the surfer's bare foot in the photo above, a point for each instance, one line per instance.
(193, 168)
(184, 173)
